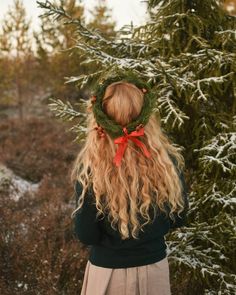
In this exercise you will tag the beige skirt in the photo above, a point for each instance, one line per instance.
(151, 279)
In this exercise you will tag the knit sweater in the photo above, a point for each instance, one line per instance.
(108, 250)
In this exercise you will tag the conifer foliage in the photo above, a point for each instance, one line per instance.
(187, 51)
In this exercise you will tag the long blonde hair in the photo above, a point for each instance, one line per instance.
(131, 189)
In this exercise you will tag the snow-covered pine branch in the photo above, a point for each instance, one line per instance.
(83, 80)
(219, 153)
(203, 261)
(65, 110)
(169, 109)
(80, 132)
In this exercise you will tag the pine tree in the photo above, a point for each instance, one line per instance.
(230, 6)
(53, 41)
(187, 50)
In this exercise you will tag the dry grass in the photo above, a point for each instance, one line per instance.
(39, 254)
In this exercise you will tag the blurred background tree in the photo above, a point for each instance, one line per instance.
(230, 6)
(38, 62)
(102, 19)
(17, 56)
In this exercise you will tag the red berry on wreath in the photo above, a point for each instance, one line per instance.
(93, 99)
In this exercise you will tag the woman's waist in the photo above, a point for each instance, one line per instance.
(127, 256)
(130, 245)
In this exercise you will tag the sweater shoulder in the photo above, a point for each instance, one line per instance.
(89, 198)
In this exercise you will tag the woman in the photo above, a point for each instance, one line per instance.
(128, 197)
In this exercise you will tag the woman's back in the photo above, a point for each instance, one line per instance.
(130, 191)
(109, 249)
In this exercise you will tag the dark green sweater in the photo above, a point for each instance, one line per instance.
(109, 250)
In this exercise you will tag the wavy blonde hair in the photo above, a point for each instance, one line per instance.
(139, 183)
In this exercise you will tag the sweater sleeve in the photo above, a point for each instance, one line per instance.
(182, 219)
(86, 226)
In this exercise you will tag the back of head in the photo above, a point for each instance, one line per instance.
(123, 102)
(125, 192)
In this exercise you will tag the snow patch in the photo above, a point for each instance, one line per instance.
(16, 185)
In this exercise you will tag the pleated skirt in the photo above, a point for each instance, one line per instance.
(151, 279)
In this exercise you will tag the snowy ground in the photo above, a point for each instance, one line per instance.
(16, 185)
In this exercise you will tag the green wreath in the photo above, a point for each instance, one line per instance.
(111, 126)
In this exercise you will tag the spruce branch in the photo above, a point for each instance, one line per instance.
(51, 10)
(83, 80)
(219, 152)
(64, 110)
(86, 35)
(201, 261)
(223, 199)
(170, 110)
(80, 132)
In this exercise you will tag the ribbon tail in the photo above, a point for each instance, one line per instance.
(142, 147)
(139, 132)
(119, 153)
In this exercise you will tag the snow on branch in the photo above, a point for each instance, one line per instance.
(122, 63)
(169, 109)
(203, 262)
(199, 93)
(83, 80)
(220, 152)
(219, 79)
(122, 46)
(224, 200)
(226, 32)
(65, 110)
(51, 10)
(80, 132)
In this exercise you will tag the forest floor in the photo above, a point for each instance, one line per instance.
(39, 253)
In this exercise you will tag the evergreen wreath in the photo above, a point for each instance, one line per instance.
(111, 126)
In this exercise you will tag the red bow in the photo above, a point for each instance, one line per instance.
(123, 141)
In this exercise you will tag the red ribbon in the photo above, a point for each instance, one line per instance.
(123, 141)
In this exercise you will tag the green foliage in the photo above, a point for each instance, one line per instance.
(113, 128)
(39, 253)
